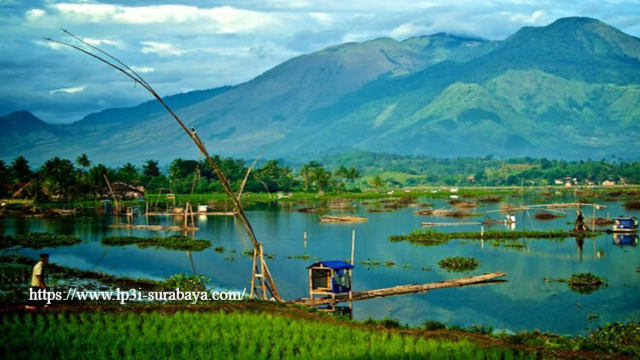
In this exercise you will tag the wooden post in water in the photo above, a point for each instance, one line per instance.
(353, 246)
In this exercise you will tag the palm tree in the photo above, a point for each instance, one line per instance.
(353, 174)
(83, 161)
(307, 173)
(322, 178)
(377, 182)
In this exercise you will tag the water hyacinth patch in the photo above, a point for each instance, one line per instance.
(37, 240)
(459, 264)
(175, 242)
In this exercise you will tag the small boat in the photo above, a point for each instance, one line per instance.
(625, 224)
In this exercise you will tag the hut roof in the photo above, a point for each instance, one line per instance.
(333, 264)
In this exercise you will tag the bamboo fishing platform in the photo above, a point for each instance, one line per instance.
(489, 278)
(210, 213)
(154, 227)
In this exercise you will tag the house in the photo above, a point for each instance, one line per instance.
(124, 191)
(608, 183)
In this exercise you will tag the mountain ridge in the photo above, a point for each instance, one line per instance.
(566, 90)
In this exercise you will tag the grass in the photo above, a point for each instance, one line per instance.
(37, 240)
(431, 237)
(187, 335)
(260, 330)
(459, 264)
(174, 242)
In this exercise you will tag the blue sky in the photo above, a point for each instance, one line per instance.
(188, 45)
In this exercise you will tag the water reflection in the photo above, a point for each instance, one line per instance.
(625, 239)
(525, 302)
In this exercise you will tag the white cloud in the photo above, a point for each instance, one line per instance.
(70, 90)
(406, 30)
(143, 69)
(49, 44)
(536, 17)
(162, 49)
(99, 42)
(222, 20)
(34, 14)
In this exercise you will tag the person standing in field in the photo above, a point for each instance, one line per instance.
(37, 279)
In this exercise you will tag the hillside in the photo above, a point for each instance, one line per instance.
(567, 90)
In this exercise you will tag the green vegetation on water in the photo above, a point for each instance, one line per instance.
(430, 237)
(37, 240)
(174, 242)
(509, 244)
(585, 283)
(459, 264)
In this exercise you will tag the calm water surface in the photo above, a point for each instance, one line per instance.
(525, 302)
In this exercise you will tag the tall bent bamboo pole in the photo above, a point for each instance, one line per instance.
(127, 71)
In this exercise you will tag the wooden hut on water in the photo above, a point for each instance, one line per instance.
(331, 278)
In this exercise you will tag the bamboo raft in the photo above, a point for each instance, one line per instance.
(153, 227)
(449, 223)
(406, 289)
(342, 219)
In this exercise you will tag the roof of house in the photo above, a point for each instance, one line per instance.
(333, 264)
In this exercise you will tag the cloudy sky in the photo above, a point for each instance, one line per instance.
(187, 45)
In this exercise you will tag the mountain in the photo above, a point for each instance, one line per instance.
(567, 90)
(22, 131)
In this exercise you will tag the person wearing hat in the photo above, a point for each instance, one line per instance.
(37, 279)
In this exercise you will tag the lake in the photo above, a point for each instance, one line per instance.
(525, 302)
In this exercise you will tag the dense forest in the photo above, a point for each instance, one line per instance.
(63, 179)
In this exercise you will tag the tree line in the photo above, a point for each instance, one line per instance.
(66, 180)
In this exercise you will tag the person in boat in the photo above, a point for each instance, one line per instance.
(37, 280)
(580, 225)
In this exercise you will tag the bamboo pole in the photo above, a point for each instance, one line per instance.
(246, 177)
(113, 196)
(192, 135)
(403, 290)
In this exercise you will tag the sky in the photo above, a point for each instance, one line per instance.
(180, 46)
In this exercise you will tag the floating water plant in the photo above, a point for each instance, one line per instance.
(543, 215)
(632, 205)
(186, 282)
(433, 237)
(459, 264)
(586, 283)
(37, 240)
(370, 263)
(175, 242)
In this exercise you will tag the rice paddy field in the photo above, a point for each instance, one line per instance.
(257, 332)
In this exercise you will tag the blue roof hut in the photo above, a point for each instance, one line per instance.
(329, 278)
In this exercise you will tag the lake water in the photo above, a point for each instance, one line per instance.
(525, 302)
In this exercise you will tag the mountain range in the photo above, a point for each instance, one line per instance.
(567, 90)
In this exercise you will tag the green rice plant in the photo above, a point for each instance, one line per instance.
(187, 334)
(459, 264)
(174, 242)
